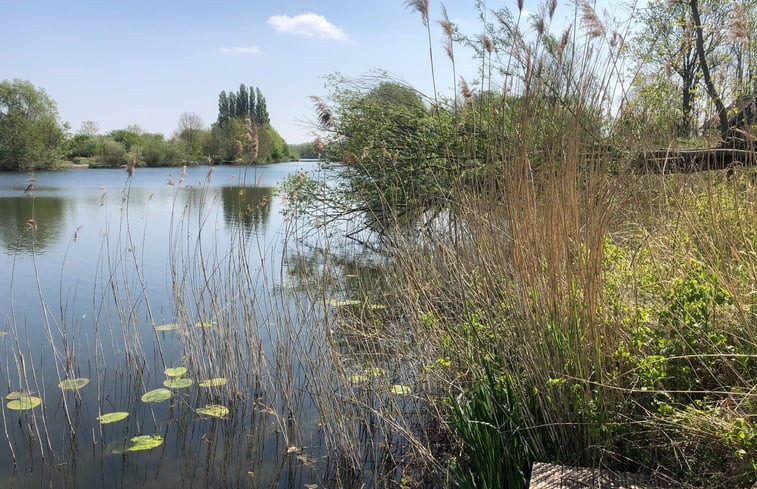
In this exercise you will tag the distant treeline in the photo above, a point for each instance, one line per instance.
(33, 137)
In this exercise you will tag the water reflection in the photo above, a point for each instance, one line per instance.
(247, 207)
(30, 224)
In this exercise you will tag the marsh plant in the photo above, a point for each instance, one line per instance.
(547, 301)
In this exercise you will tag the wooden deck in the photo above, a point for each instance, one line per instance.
(548, 476)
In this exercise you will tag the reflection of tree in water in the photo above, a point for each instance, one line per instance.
(30, 223)
(248, 207)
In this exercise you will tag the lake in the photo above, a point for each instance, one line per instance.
(174, 279)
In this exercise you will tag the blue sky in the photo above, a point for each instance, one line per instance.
(146, 62)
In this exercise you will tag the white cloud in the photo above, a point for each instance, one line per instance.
(253, 50)
(309, 24)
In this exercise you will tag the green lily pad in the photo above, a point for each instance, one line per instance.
(175, 371)
(112, 417)
(205, 324)
(73, 384)
(156, 395)
(178, 383)
(345, 303)
(215, 382)
(400, 390)
(11, 396)
(358, 378)
(23, 403)
(214, 410)
(145, 442)
(168, 327)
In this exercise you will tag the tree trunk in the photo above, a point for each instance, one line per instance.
(722, 113)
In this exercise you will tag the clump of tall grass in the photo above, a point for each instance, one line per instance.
(560, 307)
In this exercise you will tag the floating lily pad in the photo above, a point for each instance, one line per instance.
(178, 383)
(175, 371)
(3, 333)
(205, 324)
(400, 390)
(345, 303)
(112, 417)
(24, 402)
(168, 327)
(215, 382)
(16, 395)
(214, 410)
(375, 371)
(358, 378)
(73, 384)
(156, 395)
(144, 442)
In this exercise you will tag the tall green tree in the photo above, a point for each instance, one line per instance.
(30, 133)
(261, 110)
(243, 102)
(223, 107)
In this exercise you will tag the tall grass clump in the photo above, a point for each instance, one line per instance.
(548, 303)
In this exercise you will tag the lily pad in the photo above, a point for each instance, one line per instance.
(345, 303)
(215, 382)
(145, 442)
(175, 371)
(205, 324)
(112, 417)
(168, 327)
(3, 333)
(400, 390)
(214, 410)
(73, 384)
(358, 378)
(156, 395)
(178, 383)
(11, 396)
(24, 402)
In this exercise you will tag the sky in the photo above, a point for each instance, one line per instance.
(120, 63)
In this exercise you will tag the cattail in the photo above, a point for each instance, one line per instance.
(551, 7)
(325, 116)
(617, 41)
(210, 174)
(520, 5)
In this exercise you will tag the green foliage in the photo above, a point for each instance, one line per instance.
(487, 421)
(30, 134)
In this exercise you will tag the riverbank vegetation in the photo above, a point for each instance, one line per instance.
(32, 136)
(550, 301)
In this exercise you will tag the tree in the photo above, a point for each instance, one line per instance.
(261, 110)
(88, 128)
(30, 134)
(191, 131)
(667, 44)
(704, 65)
(243, 102)
(223, 107)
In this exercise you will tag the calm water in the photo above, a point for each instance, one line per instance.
(90, 263)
